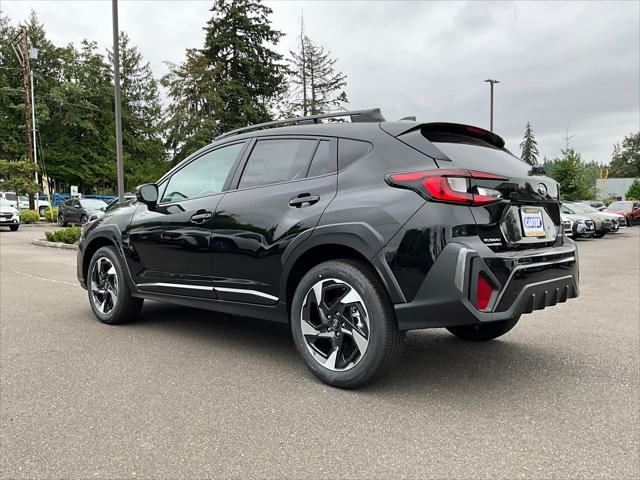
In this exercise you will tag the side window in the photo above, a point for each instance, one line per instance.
(68, 203)
(322, 163)
(204, 176)
(351, 150)
(76, 204)
(277, 160)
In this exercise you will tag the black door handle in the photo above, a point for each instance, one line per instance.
(201, 217)
(303, 200)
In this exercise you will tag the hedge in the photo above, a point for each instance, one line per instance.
(29, 216)
(69, 235)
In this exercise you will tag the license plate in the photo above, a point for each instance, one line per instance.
(532, 223)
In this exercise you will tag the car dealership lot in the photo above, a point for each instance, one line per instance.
(185, 393)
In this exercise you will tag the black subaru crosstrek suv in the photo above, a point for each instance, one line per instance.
(351, 232)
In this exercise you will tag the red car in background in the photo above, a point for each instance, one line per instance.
(629, 208)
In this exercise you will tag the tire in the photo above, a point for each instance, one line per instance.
(599, 234)
(83, 220)
(484, 332)
(42, 211)
(14, 228)
(61, 220)
(361, 329)
(105, 279)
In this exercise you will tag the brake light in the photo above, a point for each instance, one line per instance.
(484, 292)
(451, 186)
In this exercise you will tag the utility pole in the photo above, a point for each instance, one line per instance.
(492, 82)
(33, 122)
(20, 45)
(116, 79)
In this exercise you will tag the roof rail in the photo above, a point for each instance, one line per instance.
(360, 116)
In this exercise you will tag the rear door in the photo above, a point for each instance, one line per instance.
(281, 190)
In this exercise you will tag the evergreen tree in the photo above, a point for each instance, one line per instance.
(314, 85)
(231, 82)
(529, 146)
(634, 190)
(625, 161)
(576, 180)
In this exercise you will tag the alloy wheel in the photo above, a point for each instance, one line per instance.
(104, 285)
(335, 324)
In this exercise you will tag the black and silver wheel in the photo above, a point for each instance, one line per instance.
(83, 220)
(109, 294)
(61, 220)
(14, 228)
(42, 211)
(343, 325)
(484, 332)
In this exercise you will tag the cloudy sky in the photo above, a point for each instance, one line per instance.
(566, 67)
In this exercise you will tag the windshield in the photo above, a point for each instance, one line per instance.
(620, 206)
(92, 203)
(11, 196)
(581, 207)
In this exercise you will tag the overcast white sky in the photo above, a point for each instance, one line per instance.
(573, 65)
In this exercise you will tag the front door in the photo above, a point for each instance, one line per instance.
(282, 189)
(169, 245)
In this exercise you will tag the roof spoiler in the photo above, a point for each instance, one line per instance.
(401, 128)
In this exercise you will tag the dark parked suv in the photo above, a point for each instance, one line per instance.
(353, 233)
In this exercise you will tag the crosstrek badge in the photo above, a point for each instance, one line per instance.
(532, 223)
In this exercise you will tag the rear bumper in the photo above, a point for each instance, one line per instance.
(523, 281)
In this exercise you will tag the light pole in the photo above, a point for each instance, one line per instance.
(492, 82)
(116, 79)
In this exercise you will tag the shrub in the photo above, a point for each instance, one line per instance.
(66, 235)
(634, 190)
(29, 216)
(51, 214)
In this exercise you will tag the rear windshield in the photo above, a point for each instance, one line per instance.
(620, 206)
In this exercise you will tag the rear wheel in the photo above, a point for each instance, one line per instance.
(109, 293)
(42, 211)
(485, 331)
(343, 324)
(83, 220)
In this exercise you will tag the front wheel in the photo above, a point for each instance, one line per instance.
(83, 220)
(599, 234)
(14, 228)
(484, 331)
(109, 294)
(61, 220)
(42, 211)
(343, 325)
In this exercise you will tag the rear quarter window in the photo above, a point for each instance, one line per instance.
(351, 150)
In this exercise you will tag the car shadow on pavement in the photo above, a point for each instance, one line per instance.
(433, 360)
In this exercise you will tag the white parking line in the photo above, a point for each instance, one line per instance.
(44, 278)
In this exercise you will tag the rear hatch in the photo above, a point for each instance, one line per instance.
(526, 211)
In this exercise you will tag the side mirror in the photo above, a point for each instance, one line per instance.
(148, 194)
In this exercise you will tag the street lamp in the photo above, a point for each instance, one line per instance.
(492, 82)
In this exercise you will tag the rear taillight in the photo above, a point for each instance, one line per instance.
(451, 186)
(484, 292)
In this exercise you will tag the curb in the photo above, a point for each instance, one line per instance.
(63, 246)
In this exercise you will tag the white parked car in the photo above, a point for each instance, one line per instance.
(9, 216)
(13, 199)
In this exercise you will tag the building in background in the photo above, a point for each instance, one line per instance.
(616, 187)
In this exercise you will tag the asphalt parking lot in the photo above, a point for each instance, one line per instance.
(190, 394)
